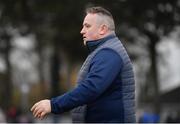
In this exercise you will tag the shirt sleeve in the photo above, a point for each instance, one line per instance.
(104, 68)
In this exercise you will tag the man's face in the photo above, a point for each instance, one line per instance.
(90, 30)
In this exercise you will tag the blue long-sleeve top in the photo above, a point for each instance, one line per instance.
(103, 71)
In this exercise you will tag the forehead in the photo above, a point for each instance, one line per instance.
(90, 18)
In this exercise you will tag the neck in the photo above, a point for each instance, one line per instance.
(108, 33)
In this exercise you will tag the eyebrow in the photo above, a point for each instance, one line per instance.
(86, 24)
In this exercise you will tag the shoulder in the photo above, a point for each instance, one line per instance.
(107, 55)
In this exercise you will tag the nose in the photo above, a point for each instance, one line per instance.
(82, 31)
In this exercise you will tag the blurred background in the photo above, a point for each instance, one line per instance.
(41, 51)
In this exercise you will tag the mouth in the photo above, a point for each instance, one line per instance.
(84, 37)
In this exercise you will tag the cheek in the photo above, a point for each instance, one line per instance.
(93, 34)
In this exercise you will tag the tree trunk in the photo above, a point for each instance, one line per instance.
(154, 75)
(55, 67)
(8, 87)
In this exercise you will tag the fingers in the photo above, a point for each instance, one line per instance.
(41, 108)
(34, 106)
(42, 115)
(37, 110)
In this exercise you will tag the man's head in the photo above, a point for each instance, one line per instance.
(97, 24)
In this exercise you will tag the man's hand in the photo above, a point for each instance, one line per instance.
(41, 108)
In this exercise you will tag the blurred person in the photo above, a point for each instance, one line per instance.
(148, 117)
(2, 116)
(12, 114)
(106, 86)
(173, 117)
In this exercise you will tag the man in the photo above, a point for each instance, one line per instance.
(105, 90)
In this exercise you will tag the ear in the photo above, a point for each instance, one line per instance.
(103, 29)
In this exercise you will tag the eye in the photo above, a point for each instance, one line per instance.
(87, 25)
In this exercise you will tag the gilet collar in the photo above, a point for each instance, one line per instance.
(93, 44)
